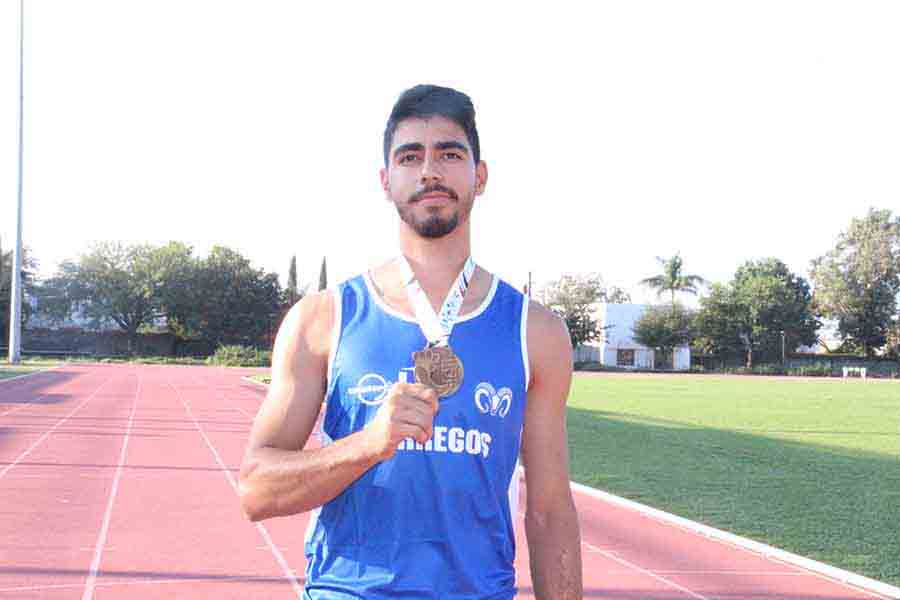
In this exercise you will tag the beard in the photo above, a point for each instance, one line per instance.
(432, 226)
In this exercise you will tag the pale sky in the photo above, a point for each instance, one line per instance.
(614, 132)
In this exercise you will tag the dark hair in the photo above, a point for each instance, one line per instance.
(423, 101)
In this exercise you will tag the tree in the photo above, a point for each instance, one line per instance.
(236, 303)
(220, 299)
(857, 282)
(111, 282)
(672, 279)
(292, 293)
(763, 302)
(573, 297)
(28, 287)
(323, 276)
(664, 328)
(778, 309)
(719, 323)
(176, 270)
(892, 347)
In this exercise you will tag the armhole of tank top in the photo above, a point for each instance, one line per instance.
(337, 297)
(523, 332)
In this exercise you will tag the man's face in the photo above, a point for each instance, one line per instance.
(431, 177)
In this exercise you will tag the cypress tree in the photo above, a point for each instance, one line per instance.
(323, 276)
(292, 292)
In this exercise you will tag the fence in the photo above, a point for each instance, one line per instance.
(800, 363)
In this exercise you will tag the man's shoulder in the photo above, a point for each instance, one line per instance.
(549, 343)
(311, 320)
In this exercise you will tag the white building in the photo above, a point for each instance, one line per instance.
(618, 348)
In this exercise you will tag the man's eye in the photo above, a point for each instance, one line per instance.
(453, 155)
(407, 158)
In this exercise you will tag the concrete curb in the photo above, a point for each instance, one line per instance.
(253, 381)
(845, 577)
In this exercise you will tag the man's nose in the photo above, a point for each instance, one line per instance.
(431, 170)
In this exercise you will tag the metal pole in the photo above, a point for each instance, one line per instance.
(15, 317)
(782, 349)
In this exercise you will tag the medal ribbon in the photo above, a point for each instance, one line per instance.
(437, 326)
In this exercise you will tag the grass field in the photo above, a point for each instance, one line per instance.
(26, 366)
(811, 466)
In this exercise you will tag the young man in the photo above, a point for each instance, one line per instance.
(435, 374)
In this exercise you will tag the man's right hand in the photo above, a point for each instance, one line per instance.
(407, 412)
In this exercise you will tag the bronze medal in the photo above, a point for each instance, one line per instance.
(439, 368)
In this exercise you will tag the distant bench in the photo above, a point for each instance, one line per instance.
(861, 371)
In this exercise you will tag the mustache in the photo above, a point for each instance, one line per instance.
(431, 189)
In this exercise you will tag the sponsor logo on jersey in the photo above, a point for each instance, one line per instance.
(372, 388)
(493, 402)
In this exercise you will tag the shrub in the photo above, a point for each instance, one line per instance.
(240, 356)
(768, 370)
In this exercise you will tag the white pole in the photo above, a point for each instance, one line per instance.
(15, 317)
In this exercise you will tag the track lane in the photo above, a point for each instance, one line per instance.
(176, 530)
(50, 509)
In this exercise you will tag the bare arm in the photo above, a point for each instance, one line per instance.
(551, 523)
(278, 477)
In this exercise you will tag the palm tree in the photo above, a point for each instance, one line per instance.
(672, 279)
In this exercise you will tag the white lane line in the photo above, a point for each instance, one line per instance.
(243, 412)
(104, 528)
(630, 565)
(289, 573)
(223, 395)
(51, 430)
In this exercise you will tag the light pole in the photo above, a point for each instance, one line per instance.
(15, 316)
(782, 349)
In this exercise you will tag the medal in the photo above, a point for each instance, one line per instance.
(436, 365)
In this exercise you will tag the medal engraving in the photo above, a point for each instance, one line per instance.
(439, 368)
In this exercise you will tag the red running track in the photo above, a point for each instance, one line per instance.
(119, 481)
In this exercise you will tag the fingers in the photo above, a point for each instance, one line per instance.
(417, 432)
(407, 412)
(420, 392)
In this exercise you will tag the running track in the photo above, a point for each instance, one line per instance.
(119, 482)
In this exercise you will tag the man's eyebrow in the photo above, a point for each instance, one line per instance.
(411, 147)
(452, 144)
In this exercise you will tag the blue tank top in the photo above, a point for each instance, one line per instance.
(436, 520)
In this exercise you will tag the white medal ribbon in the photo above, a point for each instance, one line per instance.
(437, 326)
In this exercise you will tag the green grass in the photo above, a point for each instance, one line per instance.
(134, 360)
(809, 466)
(29, 365)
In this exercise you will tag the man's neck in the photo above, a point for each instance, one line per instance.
(436, 262)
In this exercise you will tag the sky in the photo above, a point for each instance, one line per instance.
(614, 132)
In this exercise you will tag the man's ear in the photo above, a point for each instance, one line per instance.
(481, 177)
(385, 182)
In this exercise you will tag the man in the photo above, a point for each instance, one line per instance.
(435, 375)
